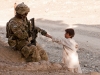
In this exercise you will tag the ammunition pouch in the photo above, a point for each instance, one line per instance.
(33, 42)
(11, 42)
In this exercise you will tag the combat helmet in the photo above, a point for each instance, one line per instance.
(22, 8)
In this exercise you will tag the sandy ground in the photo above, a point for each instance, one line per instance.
(55, 16)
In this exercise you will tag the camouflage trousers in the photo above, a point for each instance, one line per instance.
(34, 53)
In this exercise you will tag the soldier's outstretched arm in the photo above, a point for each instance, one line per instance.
(43, 32)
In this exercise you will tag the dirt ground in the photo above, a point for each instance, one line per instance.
(55, 16)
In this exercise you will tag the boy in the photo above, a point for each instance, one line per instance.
(70, 47)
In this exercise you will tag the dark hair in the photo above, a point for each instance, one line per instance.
(70, 31)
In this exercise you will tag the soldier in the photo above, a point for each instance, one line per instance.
(18, 33)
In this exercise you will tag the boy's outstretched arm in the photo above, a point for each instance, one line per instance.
(62, 42)
(57, 41)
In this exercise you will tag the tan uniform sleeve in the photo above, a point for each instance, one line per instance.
(43, 32)
(21, 34)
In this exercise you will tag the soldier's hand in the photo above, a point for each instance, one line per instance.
(47, 35)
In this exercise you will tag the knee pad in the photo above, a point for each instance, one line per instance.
(43, 55)
(25, 51)
(36, 55)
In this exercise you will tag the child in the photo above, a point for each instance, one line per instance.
(70, 56)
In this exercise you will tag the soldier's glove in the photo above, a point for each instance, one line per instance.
(33, 42)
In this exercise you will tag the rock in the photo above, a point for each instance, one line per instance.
(91, 58)
(55, 66)
(43, 62)
(85, 65)
(94, 73)
(93, 66)
(32, 66)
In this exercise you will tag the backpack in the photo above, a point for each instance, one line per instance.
(11, 42)
(7, 30)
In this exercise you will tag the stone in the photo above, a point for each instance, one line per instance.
(94, 73)
(85, 65)
(93, 66)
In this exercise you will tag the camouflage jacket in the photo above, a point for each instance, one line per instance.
(19, 32)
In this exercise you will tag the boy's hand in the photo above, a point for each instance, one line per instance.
(53, 39)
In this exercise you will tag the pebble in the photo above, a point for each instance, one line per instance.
(85, 65)
(91, 58)
(93, 66)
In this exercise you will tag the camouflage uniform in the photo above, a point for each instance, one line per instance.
(18, 33)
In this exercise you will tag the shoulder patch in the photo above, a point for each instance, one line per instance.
(14, 26)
